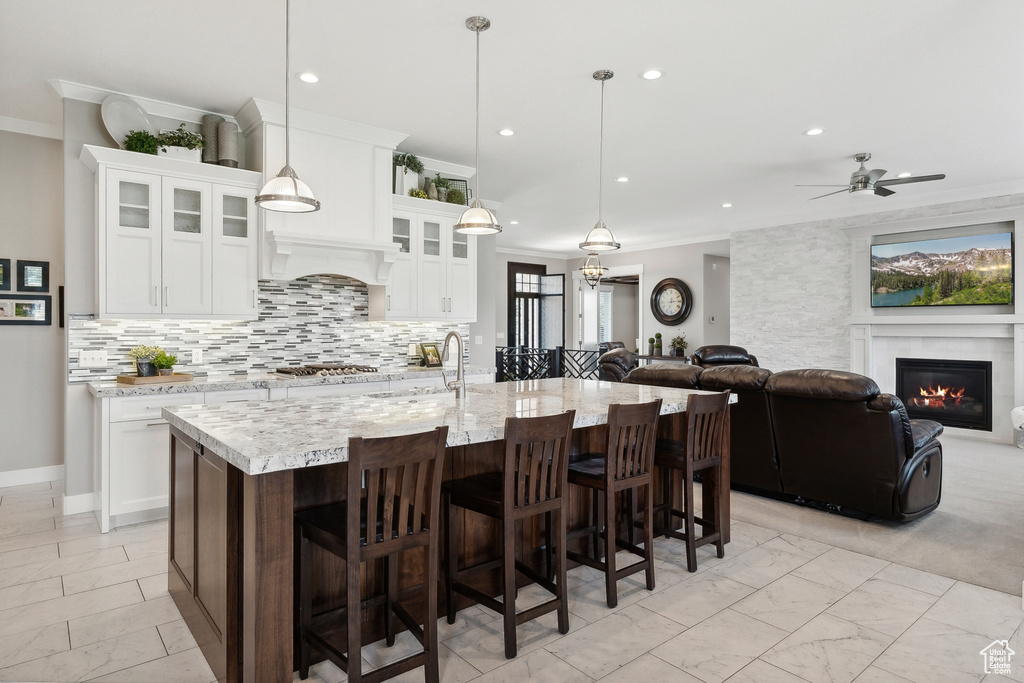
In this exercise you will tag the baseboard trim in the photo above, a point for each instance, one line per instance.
(32, 475)
(83, 502)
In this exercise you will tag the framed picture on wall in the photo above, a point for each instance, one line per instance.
(33, 276)
(5, 274)
(431, 358)
(25, 309)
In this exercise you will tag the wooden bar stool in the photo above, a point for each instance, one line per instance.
(533, 482)
(625, 465)
(701, 452)
(393, 490)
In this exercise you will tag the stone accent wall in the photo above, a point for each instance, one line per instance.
(316, 319)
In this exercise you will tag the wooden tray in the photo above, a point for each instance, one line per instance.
(159, 379)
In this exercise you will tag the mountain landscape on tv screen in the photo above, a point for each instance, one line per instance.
(971, 276)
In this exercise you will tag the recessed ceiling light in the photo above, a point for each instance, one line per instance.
(622, 179)
(653, 74)
(814, 131)
(904, 175)
(727, 205)
(513, 222)
(506, 132)
(307, 77)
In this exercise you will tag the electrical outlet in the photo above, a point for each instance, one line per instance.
(92, 359)
(478, 339)
(197, 356)
(499, 335)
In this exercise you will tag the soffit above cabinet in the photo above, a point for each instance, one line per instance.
(256, 112)
(93, 156)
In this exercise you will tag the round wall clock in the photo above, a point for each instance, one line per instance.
(671, 301)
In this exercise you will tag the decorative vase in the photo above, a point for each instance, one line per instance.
(166, 372)
(442, 194)
(227, 144)
(182, 153)
(144, 367)
(406, 180)
(650, 349)
(431, 190)
(657, 350)
(210, 147)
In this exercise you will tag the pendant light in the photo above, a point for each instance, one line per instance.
(600, 238)
(286, 192)
(592, 269)
(476, 220)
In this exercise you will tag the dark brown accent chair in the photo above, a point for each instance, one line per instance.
(393, 490)
(722, 354)
(624, 466)
(615, 364)
(532, 482)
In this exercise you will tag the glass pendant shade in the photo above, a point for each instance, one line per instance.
(592, 269)
(287, 193)
(600, 238)
(476, 220)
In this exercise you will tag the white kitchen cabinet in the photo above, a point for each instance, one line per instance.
(176, 239)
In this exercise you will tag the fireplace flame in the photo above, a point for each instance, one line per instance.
(939, 396)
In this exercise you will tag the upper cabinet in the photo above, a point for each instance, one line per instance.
(175, 239)
(434, 277)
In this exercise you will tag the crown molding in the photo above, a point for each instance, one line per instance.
(88, 93)
(41, 130)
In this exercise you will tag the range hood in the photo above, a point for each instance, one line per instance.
(290, 255)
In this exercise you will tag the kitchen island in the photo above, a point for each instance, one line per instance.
(240, 471)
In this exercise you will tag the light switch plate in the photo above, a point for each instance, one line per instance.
(478, 339)
(197, 355)
(92, 359)
(499, 335)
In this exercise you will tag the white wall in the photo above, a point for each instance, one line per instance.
(31, 356)
(716, 300)
(625, 305)
(487, 322)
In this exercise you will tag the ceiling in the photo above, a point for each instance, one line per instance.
(926, 86)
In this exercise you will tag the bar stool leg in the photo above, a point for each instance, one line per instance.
(649, 533)
(508, 533)
(391, 591)
(354, 613)
(560, 562)
(451, 559)
(305, 601)
(691, 546)
(611, 589)
(431, 670)
(595, 518)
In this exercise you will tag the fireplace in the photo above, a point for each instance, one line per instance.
(956, 393)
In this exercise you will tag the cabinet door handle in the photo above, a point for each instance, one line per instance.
(156, 295)
(167, 295)
(389, 302)
(449, 304)
(156, 424)
(254, 305)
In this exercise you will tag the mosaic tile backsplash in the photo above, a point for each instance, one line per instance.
(315, 319)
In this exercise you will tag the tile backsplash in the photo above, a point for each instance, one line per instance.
(315, 319)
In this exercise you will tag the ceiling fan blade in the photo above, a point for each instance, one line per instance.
(912, 179)
(883, 191)
(821, 186)
(875, 174)
(845, 189)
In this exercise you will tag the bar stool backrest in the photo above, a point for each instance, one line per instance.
(632, 429)
(397, 481)
(537, 458)
(705, 426)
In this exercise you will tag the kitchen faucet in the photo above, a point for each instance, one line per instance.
(459, 383)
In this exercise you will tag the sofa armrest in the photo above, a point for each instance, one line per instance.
(924, 431)
(890, 403)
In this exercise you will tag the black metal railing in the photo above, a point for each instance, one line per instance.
(515, 363)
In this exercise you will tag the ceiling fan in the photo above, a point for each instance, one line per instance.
(864, 182)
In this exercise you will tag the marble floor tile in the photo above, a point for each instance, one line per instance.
(757, 534)
(27, 537)
(873, 674)
(83, 519)
(883, 606)
(17, 504)
(154, 586)
(176, 636)
(693, 601)
(79, 581)
(718, 647)
(607, 644)
(589, 602)
(28, 617)
(828, 649)
(761, 565)
(916, 579)
(978, 610)
(28, 645)
(933, 652)
(788, 603)
(62, 565)
(92, 661)
(451, 669)
(114, 539)
(137, 550)
(23, 529)
(36, 488)
(841, 569)
(182, 667)
(1017, 645)
(760, 671)
(798, 545)
(484, 646)
(540, 666)
(30, 592)
(649, 668)
(321, 672)
(122, 620)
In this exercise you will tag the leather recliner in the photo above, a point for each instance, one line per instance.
(723, 354)
(615, 364)
(669, 374)
(841, 441)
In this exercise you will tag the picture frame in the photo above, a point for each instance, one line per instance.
(33, 276)
(431, 356)
(5, 274)
(25, 309)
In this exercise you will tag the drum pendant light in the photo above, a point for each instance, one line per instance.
(476, 220)
(600, 238)
(286, 192)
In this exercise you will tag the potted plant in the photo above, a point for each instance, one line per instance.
(650, 346)
(407, 172)
(419, 194)
(657, 343)
(456, 196)
(141, 141)
(143, 356)
(164, 362)
(442, 185)
(180, 144)
(678, 345)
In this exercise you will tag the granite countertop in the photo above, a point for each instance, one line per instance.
(267, 436)
(270, 381)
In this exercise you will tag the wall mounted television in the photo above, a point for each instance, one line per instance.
(949, 271)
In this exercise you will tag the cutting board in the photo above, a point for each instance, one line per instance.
(158, 379)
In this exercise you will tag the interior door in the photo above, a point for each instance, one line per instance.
(552, 311)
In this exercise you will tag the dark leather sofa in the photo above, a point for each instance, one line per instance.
(820, 435)
(723, 354)
(615, 364)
